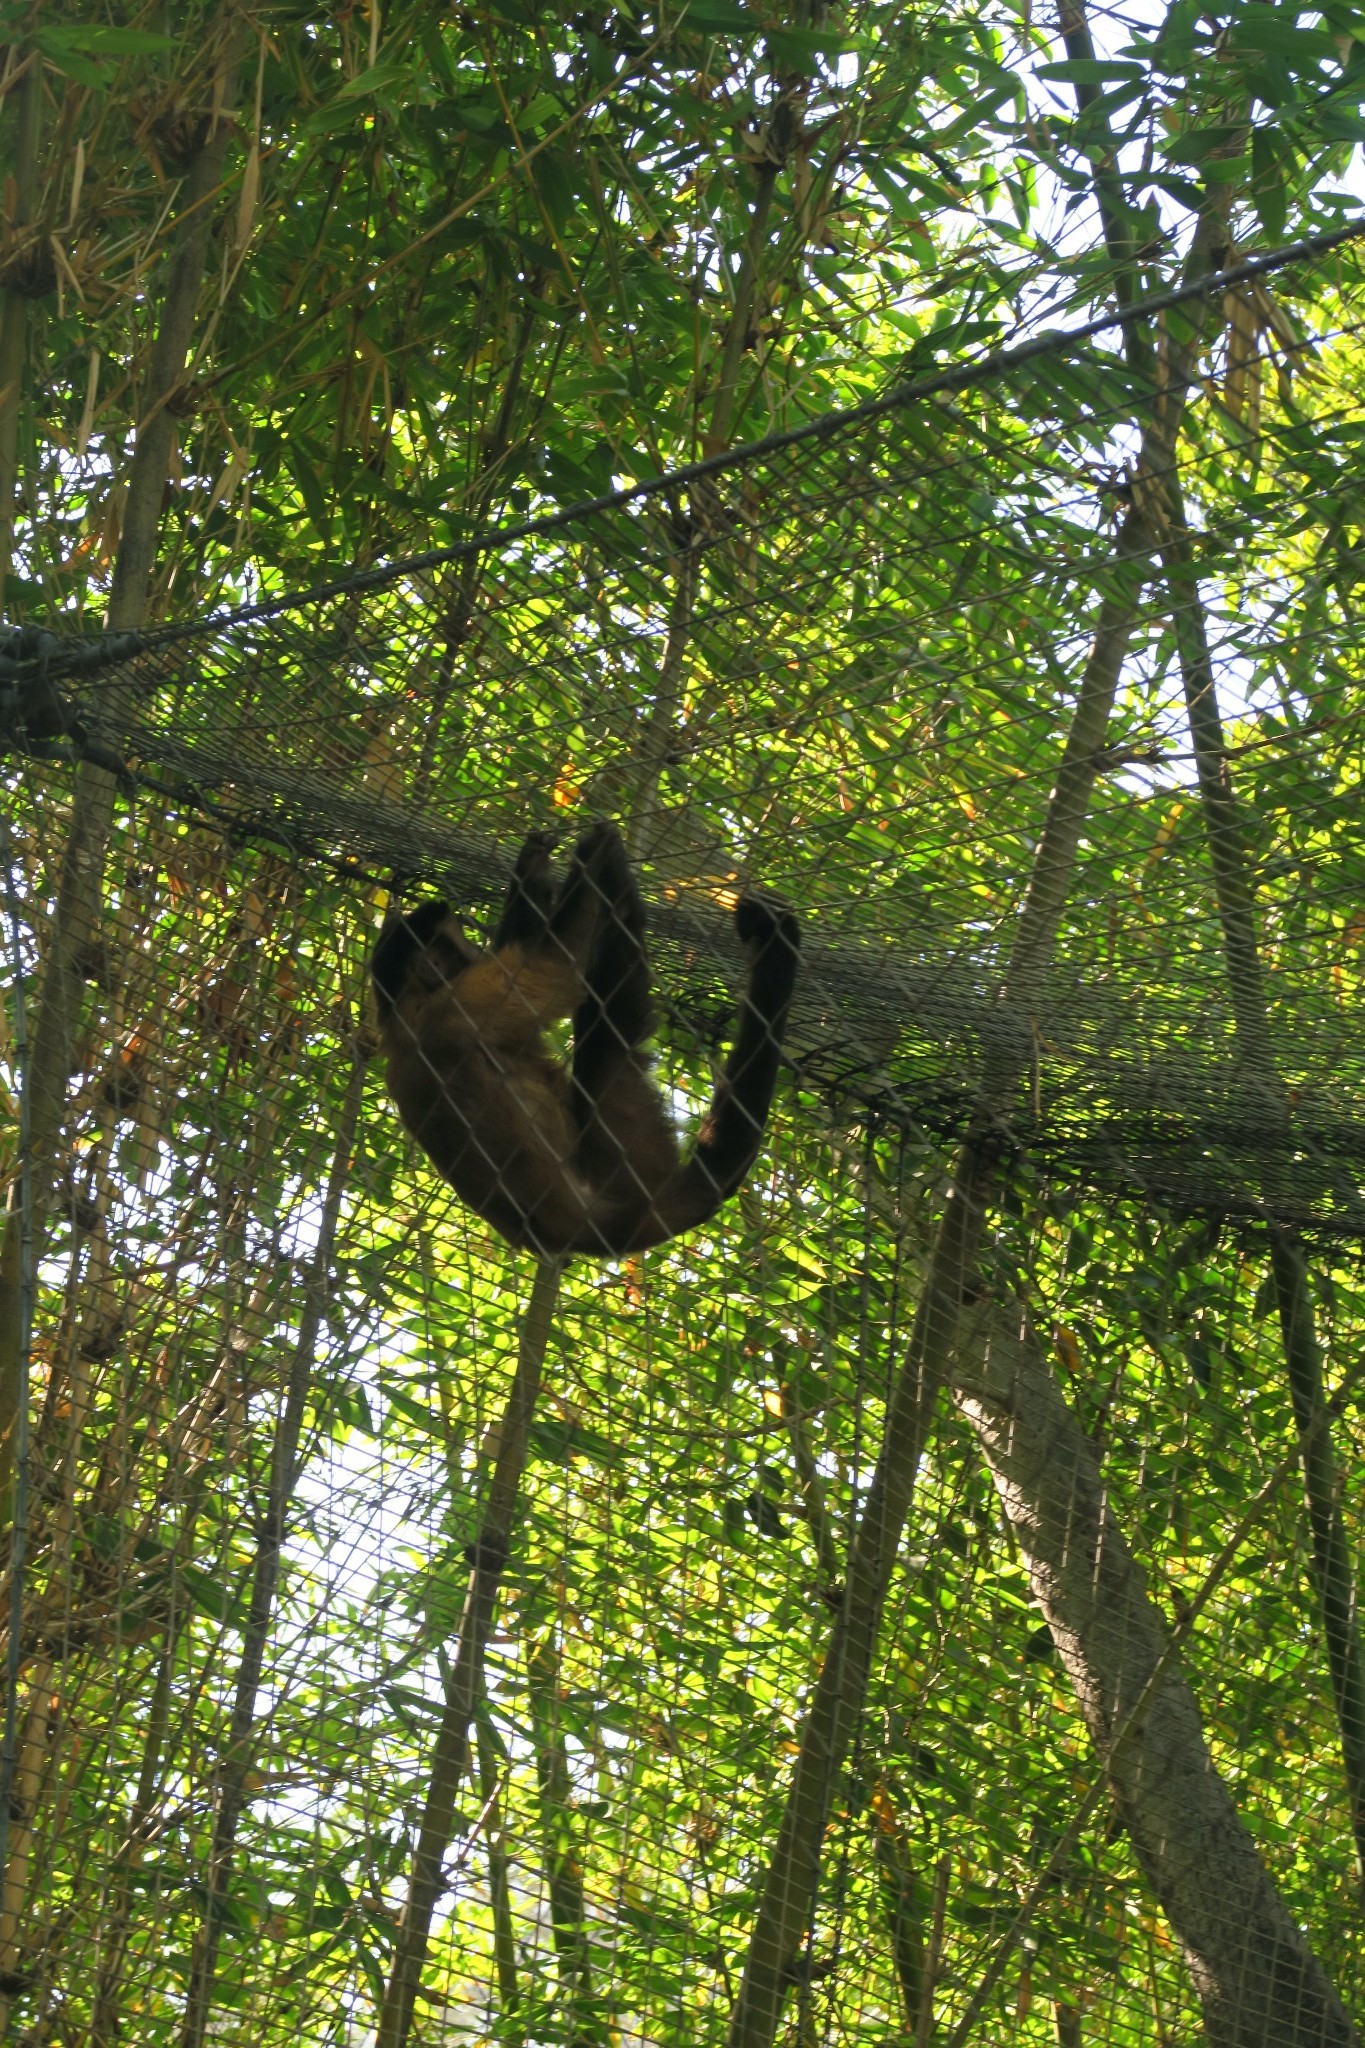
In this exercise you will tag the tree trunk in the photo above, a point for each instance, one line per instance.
(1258, 1982)
(1333, 1565)
(789, 1890)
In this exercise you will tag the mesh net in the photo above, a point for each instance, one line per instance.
(271, 1352)
(413, 731)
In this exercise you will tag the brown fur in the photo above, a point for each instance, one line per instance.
(567, 1161)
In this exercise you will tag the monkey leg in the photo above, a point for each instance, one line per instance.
(617, 1013)
(572, 927)
(539, 967)
(627, 1147)
(529, 904)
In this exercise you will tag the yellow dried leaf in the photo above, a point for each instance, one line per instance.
(247, 198)
(92, 385)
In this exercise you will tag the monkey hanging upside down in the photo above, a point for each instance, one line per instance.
(581, 1159)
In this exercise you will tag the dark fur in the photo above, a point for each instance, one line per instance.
(583, 1160)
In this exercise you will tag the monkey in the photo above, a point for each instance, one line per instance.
(44, 719)
(41, 721)
(35, 716)
(580, 1158)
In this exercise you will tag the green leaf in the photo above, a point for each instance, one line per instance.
(1093, 71)
(554, 181)
(1227, 170)
(1193, 145)
(423, 1415)
(1276, 31)
(1182, 189)
(62, 53)
(351, 1408)
(902, 204)
(1267, 184)
(211, 1597)
(305, 476)
(560, 1440)
(438, 55)
(1199, 1357)
(388, 71)
(720, 17)
(799, 46)
(481, 117)
(101, 40)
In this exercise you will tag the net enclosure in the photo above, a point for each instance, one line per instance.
(918, 1605)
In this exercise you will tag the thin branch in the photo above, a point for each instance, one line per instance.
(464, 1683)
(240, 1749)
(585, 2022)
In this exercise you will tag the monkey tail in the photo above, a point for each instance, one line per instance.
(729, 1140)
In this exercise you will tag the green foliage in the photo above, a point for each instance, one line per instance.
(474, 266)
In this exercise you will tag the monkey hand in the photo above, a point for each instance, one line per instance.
(765, 920)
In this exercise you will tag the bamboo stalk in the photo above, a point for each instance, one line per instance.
(459, 590)
(585, 2027)
(812, 1487)
(187, 1458)
(80, 888)
(239, 1751)
(656, 736)
(902, 1892)
(780, 135)
(24, 1794)
(130, 589)
(924, 2019)
(113, 1945)
(788, 1894)
(1332, 1562)
(14, 304)
(741, 313)
(1115, 220)
(464, 1683)
(499, 1876)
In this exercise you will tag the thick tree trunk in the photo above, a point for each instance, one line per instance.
(1258, 1982)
